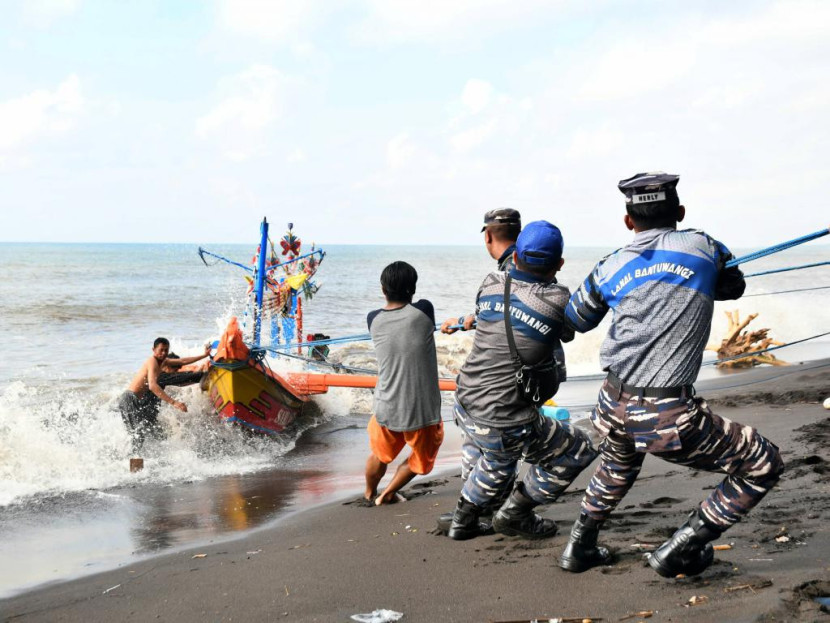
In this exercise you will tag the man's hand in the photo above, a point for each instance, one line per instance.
(469, 321)
(448, 324)
(180, 406)
(207, 350)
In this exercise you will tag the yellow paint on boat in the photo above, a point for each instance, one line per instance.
(253, 396)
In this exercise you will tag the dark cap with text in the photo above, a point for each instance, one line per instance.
(650, 188)
(502, 216)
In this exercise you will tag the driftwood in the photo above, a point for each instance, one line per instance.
(740, 342)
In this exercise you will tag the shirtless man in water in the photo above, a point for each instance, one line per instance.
(140, 403)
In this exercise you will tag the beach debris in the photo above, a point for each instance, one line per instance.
(645, 546)
(286, 591)
(199, 556)
(136, 464)
(782, 539)
(301, 546)
(254, 553)
(111, 588)
(722, 547)
(748, 587)
(697, 600)
(554, 620)
(642, 614)
(740, 342)
(378, 616)
(826, 403)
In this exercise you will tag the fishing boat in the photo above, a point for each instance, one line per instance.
(242, 387)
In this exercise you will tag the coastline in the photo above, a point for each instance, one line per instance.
(339, 559)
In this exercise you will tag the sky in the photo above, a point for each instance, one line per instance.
(403, 121)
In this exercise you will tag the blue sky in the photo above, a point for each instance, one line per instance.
(402, 122)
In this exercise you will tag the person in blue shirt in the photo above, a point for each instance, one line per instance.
(495, 414)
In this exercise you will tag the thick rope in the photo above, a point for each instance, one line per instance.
(783, 246)
(786, 270)
(746, 296)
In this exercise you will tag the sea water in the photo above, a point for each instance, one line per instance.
(79, 319)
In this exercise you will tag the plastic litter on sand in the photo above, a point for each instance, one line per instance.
(378, 616)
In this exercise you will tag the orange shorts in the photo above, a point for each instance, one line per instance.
(387, 444)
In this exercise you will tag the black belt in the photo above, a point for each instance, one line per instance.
(683, 391)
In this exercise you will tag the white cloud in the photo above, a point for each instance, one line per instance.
(594, 143)
(41, 113)
(476, 95)
(43, 13)
(404, 21)
(399, 150)
(473, 137)
(634, 68)
(269, 20)
(251, 102)
(296, 156)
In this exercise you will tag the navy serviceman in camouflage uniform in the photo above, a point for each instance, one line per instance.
(662, 288)
(501, 228)
(492, 412)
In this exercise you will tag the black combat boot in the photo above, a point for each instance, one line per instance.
(465, 524)
(516, 517)
(485, 522)
(689, 551)
(581, 553)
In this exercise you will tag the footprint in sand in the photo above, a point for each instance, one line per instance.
(662, 502)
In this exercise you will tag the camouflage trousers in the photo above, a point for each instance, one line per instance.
(555, 452)
(682, 431)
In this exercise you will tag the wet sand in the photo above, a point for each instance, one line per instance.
(336, 560)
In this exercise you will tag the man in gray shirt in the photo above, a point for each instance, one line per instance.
(407, 404)
(496, 415)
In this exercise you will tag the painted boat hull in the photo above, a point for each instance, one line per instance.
(254, 397)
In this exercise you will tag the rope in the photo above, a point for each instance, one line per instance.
(785, 270)
(783, 246)
(746, 296)
(766, 350)
(203, 252)
(362, 337)
(328, 364)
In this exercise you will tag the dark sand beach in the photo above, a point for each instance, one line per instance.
(341, 559)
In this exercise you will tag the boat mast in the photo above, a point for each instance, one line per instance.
(259, 284)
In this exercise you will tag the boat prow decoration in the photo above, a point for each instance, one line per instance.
(243, 388)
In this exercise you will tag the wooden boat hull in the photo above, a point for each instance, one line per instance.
(253, 396)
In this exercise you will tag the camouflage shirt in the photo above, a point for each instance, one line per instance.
(662, 288)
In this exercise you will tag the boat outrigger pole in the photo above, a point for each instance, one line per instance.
(259, 284)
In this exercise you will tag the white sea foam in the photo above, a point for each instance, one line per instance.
(53, 443)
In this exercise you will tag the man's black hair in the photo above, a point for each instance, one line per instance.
(398, 282)
(505, 232)
(537, 271)
(161, 340)
(655, 214)
(172, 355)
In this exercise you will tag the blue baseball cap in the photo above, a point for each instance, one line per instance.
(540, 244)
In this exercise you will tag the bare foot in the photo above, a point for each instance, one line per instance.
(393, 498)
